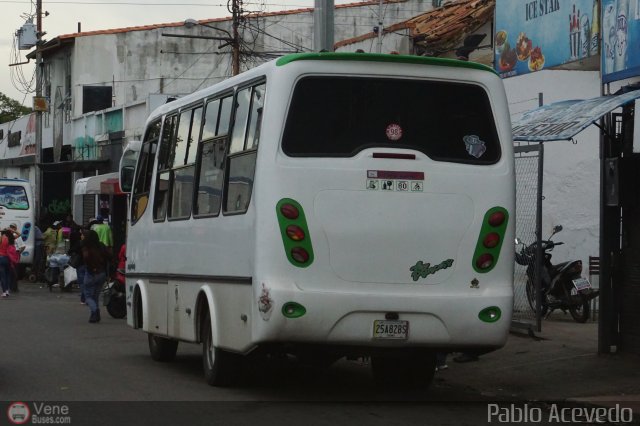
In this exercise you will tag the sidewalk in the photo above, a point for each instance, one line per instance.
(560, 364)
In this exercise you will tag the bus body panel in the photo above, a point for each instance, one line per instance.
(17, 206)
(342, 290)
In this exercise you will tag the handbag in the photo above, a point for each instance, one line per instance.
(70, 275)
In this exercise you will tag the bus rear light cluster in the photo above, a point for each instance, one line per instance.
(295, 232)
(289, 211)
(490, 239)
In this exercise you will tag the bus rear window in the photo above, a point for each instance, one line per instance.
(13, 197)
(341, 116)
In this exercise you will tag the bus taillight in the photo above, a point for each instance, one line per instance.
(485, 261)
(300, 255)
(295, 232)
(289, 211)
(490, 239)
(497, 218)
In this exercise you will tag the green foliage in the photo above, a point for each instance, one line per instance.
(11, 109)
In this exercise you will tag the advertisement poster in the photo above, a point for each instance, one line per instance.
(620, 35)
(532, 35)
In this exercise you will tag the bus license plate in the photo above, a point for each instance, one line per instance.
(581, 284)
(385, 329)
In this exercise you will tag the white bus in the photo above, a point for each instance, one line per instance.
(327, 205)
(16, 207)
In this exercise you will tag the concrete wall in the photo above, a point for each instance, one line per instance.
(571, 170)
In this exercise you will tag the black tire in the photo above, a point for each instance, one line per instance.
(162, 349)
(221, 368)
(531, 297)
(414, 369)
(117, 307)
(580, 313)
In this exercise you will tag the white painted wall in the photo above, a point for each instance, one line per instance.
(571, 184)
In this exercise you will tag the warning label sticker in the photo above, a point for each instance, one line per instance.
(395, 185)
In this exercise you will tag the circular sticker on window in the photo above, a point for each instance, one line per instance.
(394, 132)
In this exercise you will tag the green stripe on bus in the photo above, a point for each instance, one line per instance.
(379, 57)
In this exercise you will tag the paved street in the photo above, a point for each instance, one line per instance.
(51, 353)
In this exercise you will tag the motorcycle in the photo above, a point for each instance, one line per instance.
(562, 284)
(114, 297)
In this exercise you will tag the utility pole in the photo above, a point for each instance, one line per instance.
(323, 25)
(380, 27)
(38, 174)
(235, 43)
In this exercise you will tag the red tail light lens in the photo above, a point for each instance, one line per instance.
(295, 233)
(484, 261)
(496, 219)
(491, 240)
(289, 211)
(299, 254)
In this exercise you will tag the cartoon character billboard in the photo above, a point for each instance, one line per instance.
(620, 35)
(535, 34)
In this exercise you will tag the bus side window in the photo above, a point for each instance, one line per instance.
(165, 162)
(142, 183)
(184, 163)
(241, 162)
(211, 170)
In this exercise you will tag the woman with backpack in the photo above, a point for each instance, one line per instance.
(96, 260)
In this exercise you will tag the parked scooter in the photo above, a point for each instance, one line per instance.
(114, 297)
(562, 285)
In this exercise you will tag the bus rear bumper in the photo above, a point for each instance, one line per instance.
(442, 322)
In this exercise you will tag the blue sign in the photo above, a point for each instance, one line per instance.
(532, 35)
(620, 35)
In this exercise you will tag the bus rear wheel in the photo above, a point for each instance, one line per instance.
(162, 349)
(415, 369)
(221, 368)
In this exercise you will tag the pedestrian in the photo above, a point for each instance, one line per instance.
(104, 233)
(49, 237)
(4, 264)
(17, 237)
(38, 252)
(14, 260)
(77, 261)
(96, 259)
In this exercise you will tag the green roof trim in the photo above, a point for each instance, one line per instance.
(380, 57)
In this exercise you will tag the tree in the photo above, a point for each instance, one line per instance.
(11, 109)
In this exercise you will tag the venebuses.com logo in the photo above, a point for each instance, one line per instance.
(19, 413)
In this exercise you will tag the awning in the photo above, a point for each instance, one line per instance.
(100, 184)
(563, 120)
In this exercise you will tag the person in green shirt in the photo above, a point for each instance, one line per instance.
(104, 233)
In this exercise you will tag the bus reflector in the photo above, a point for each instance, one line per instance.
(494, 226)
(490, 314)
(295, 232)
(293, 310)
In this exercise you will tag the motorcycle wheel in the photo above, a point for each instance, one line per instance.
(531, 297)
(580, 313)
(117, 308)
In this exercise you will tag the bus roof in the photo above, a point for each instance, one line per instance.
(5, 179)
(379, 57)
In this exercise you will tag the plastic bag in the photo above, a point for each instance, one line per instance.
(70, 275)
